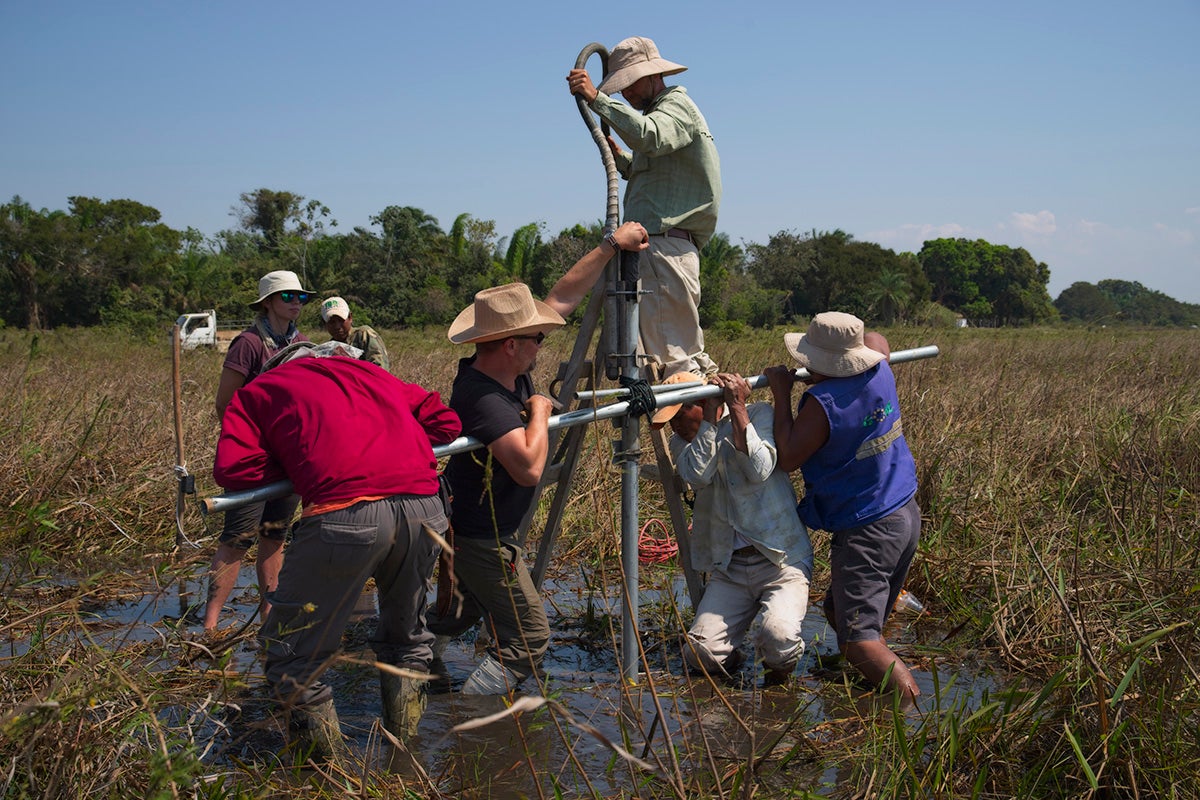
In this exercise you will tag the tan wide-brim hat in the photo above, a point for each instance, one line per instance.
(501, 312)
(667, 413)
(281, 280)
(833, 346)
(633, 59)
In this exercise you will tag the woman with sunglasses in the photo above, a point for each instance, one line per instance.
(280, 299)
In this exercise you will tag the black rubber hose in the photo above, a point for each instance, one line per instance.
(600, 136)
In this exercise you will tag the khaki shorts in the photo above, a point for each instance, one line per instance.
(270, 520)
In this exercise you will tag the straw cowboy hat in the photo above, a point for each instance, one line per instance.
(667, 413)
(833, 346)
(501, 312)
(281, 280)
(633, 59)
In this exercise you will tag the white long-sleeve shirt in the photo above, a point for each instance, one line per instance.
(740, 494)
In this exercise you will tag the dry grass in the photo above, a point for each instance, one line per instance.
(1060, 482)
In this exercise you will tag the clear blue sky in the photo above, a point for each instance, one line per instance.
(1069, 128)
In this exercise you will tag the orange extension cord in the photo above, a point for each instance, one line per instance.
(655, 549)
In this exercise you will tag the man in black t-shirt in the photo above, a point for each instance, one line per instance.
(493, 488)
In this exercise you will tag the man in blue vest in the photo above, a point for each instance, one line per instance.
(860, 483)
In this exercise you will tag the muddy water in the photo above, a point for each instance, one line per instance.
(665, 712)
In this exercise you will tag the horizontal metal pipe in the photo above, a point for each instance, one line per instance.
(757, 382)
(683, 393)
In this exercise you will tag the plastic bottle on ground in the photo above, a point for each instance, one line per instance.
(907, 601)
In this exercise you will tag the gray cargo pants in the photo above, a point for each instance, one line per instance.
(328, 562)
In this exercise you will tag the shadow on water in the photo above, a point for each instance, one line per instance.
(678, 723)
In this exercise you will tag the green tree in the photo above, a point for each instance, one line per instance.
(1145, 306)
(721, 265)
(785, 262)
(888, 296)
(521, 253)
(982, 280)
(35, 249)
(1085, 302)
(267, 212)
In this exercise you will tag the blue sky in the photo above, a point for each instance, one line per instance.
(1069, 128)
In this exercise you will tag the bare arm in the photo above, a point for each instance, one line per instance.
(569, 291)
(796, 437)
(878, 342)
(522, 451)
(735, 394)
(231, 381)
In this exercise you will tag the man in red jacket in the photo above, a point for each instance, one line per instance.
(357, 445)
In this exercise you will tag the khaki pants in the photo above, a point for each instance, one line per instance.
(733, 598)
(668, 312)
(496, 584)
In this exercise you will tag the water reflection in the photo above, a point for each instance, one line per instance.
(680, 724)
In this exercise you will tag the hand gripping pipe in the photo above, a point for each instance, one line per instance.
(665, 395)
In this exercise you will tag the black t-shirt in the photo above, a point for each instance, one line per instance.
(488, 410)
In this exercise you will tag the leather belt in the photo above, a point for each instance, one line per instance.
(748, 550)
(677, 233)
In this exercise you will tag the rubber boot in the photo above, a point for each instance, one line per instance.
(404, 701)
(440, 643)
(315, 734)
(491, 677)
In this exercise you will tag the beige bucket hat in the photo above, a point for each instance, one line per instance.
(501, 312)
(667, 413)
(633, 59)
(281, 280)
(833, 346)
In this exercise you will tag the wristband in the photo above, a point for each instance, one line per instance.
(611, 240)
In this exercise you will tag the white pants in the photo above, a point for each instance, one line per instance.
(733, 598)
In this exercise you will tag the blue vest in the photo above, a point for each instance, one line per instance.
(865, 471)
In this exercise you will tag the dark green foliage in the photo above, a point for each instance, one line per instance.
(114, 262)
(1084, 302)
(987, 282)
(830, 271)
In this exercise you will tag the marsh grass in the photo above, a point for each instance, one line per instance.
(1060, 484)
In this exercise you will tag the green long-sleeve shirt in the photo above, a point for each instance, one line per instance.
(674, 173)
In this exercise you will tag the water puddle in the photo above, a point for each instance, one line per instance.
(665, 713)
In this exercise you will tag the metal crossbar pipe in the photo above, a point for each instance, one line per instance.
(898, 357)
(681, 393)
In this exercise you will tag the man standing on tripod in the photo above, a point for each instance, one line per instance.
(674, 189)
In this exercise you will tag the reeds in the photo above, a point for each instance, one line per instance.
(1060, 563)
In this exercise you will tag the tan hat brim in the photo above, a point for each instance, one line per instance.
(831, 363)
(665, 414)
(465, 331)
(627, 76)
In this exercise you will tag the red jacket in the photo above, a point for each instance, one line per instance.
(337, 428)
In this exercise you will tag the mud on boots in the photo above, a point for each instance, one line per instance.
(314, 734)
(404, 700)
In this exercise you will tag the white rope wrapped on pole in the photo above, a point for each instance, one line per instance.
(664, 396)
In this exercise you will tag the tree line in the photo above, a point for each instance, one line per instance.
(114, 262)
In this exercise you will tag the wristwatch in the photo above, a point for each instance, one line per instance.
(610, 239)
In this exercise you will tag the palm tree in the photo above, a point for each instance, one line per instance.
(889, 295)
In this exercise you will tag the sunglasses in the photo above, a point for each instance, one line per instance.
(298, 297)
(539, 338)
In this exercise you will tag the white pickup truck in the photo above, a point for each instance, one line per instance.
(200, 330)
